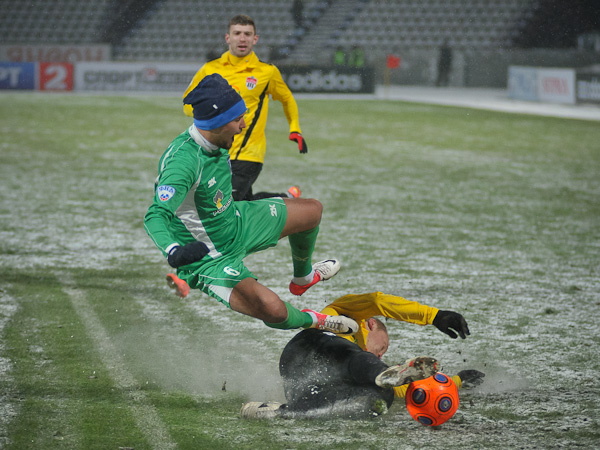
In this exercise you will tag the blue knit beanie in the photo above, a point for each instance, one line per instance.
(214, 102)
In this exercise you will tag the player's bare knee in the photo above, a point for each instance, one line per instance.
(303, 214)
(319, 208)
(314, 209)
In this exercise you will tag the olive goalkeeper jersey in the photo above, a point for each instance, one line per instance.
(255, 81)
(192, 200)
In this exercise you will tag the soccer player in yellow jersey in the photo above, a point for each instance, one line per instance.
(255, 81)
(324, 374)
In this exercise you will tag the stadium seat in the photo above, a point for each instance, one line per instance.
(183, 29)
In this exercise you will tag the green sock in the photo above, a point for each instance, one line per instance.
(295, 319)
(303, 245)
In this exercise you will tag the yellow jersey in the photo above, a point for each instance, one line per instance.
(361, 307)
(255, 81)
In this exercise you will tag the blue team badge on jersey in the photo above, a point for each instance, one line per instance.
(164, 192)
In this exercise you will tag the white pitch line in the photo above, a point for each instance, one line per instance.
(8, 408)
(145, 415)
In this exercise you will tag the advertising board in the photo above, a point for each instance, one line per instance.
(44, 76)
(162, 77)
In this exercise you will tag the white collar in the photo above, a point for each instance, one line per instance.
(201, 140)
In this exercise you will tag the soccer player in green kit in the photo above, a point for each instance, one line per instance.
(205, 234)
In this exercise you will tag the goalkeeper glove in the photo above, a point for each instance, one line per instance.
(451, 323)
(189, 253)
(297, 137)
(471, 377)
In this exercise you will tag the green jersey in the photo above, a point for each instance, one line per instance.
(192, 200)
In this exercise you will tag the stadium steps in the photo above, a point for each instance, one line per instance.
(321, 39)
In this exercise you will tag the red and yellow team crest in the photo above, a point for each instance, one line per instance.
(251, 82)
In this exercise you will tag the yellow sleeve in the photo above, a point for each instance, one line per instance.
(457, 381)
(362, 306)
(280, 91)
(400, 391)
(187, 109)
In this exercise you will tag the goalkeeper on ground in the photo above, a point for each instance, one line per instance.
(324, 374)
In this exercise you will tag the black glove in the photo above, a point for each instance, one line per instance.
(297, 137)
(449, 321)
(471, 377)
(189, 253)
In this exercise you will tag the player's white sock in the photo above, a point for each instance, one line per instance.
(301, 281)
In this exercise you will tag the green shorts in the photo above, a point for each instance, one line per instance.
(261, 223)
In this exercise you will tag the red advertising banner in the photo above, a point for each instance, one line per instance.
(55, 76)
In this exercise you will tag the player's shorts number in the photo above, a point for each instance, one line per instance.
(230, 271)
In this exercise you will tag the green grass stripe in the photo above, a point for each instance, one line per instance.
(145, 415)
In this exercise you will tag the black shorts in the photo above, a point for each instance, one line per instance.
(243, 176)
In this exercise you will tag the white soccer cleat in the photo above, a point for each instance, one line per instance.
(324, 270)
(260, 410)
(327, 269)
(412, 370)
(335, 324)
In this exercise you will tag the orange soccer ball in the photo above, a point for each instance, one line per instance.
(432, 401)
